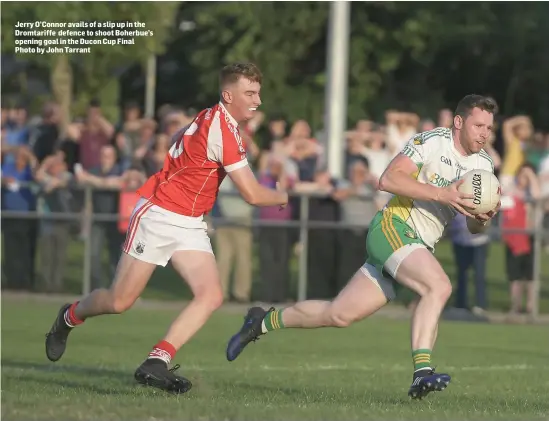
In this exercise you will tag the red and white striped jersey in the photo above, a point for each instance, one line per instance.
(197, 163)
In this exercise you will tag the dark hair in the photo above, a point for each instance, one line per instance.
(466, 105)
(233, 72)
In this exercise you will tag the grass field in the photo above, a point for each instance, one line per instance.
(359, 373)
(166, 285)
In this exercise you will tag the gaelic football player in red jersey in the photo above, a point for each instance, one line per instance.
(167, 224)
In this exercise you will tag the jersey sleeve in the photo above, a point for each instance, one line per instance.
(417, 150)
(226, 146)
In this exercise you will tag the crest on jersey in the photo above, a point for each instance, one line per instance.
(418, 140)
(410, 234)
(140, 247)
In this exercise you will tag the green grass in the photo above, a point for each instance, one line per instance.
(363, 372)
(166, 285)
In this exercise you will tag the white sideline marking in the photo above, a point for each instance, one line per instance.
(322, 367)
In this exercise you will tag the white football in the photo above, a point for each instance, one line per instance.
(485, 188)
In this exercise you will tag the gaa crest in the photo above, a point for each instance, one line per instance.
(140, 247)
(410, 234)
(418, 140)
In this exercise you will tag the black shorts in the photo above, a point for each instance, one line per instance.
(521, 267)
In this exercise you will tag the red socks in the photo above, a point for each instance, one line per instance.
(70, 318)
(164, 351)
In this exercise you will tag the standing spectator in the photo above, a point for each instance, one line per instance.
(426, 125)
(275, 242)
(97, 132)
(445, 118)
(304, 150)
(18, 259)
(492, 153)
(70, 145)
(106, 180)
(516, 132)
(378, 159)
(543, 174)
(16, 134)
(519, 251)
(45, 137)
(234, 243)
(54, 178)
(132, 179)
(144, 143)
(322, 262)
(131, 125)
(155, 156)
(400, 128)
(355, 209)
(470, 251)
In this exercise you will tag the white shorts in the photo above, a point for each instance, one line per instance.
(155, 233)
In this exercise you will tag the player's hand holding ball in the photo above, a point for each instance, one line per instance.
(459, 200)
(486, 191)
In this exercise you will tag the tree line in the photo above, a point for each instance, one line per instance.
(410, 56)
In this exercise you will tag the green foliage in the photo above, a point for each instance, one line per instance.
(419, 56)
(95, 72)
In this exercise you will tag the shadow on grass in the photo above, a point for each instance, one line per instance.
(88, 374)
(313, 395)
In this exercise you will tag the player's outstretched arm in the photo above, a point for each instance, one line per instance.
(253, 192)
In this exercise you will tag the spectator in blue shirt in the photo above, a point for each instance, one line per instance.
(19, 233)
(16, 133)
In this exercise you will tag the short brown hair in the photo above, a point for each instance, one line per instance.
(233, 72)
(466, 105)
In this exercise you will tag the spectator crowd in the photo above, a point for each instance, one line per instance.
(45, 166)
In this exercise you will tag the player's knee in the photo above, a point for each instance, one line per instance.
(216, 300)
(441, 290)
(120, 304)
(212, 296)
(339, 318)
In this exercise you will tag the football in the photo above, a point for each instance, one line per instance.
(485, 188)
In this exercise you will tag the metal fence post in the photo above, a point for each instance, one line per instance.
(304, 240)
(538, 250)
(88, 226)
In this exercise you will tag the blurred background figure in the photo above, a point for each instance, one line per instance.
(275, 242)
(517, 214)
(234, 244)
(470, 252)
(17, 195)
